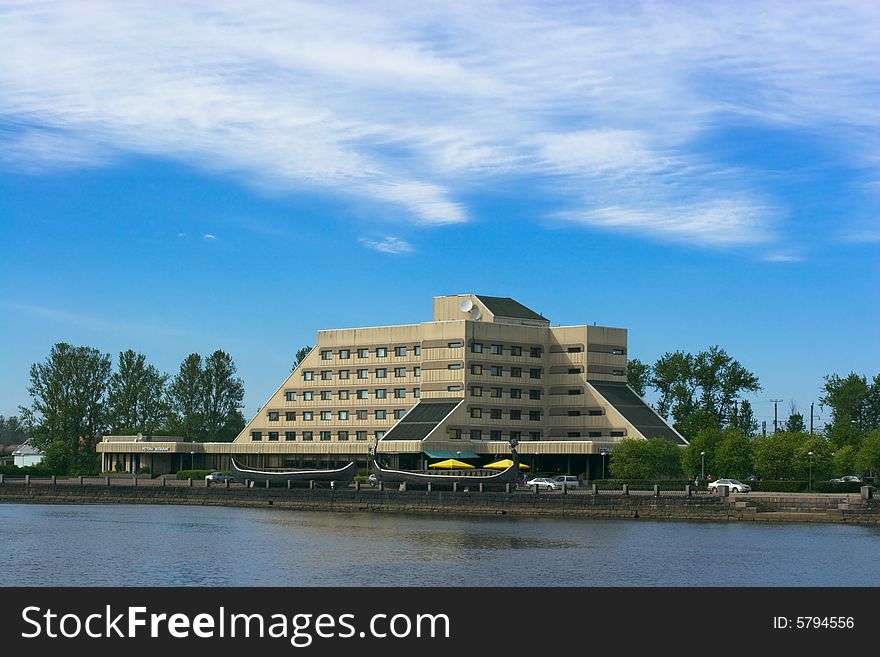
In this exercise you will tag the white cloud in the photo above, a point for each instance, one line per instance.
(208, 237)
(388, 245)
(411, 106)
(782, 257)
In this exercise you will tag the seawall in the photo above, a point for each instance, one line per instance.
(756, 507)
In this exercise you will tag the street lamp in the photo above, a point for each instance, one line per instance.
(810, 454)
(192, 460)
(702, 465)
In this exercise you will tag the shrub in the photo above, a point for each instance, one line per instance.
(193, 474)
(32, 470)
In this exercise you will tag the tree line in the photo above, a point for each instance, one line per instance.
(77, 397)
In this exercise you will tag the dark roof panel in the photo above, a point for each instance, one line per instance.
(507, 307)
(636, 411)
(421, 420)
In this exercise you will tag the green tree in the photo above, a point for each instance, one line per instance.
(664, 458)
(185, 399)
(733, 455)
(744, 419)
(694, 423)
(821, 459)
(868, 457)
(12, 431)
(775, 455)
(67, 415)
(672, 376)
(795, 423)
(300, 356)
(721, 380)
(634, 458)
(136, 396)
(638, 376)
(853, 405)
(844, 460)
(222, 400)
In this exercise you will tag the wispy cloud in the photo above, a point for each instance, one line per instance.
(91, 322)
(393, 245)
(782, 257)
(411, 106)
(208, 237)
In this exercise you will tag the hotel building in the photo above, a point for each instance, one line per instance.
(483, 371)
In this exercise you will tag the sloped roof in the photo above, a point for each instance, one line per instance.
(636, 411)
(507, 307)
(421, 420)
(26, 449)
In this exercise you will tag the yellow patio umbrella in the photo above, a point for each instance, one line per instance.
(503, 464)
(451, 464)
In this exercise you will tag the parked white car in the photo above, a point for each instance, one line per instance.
(848, 479)
(567, 481)
(732, 484)
(544, 483)
(218, 477)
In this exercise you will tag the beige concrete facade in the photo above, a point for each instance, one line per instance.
(513, 374)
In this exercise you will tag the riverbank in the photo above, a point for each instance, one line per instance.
(673, 505)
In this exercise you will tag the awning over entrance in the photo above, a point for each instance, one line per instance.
(451, 455)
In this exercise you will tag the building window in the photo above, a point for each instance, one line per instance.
(617, 352)
(574, 370)
(363, 394)
(309, 375)
(380, 435)
(417, 350)
(308, 395)
(308, 416)
(535, 373)
(495, 350)
(516, 372)
(476, 347)
(326, 354)
(381, 352)
(363, 353)
(290, 395)
(454, 366)
(476, 368)
(495, 413)
(325, 435)
(363, 374)
(618, 372)
(574, 434)
(343, 394)
(325, 395)
(256, 436)
(290, 416)
(326, 375)
(595, 411)
(476, 412)
(496, 370)
(515, 435)
(273, 416)
(399, 372)
(381, 415)
(535, 352)
(307, 435)
(344, 374)
(343, 415)
(535, 393)
(574, 350)
(361, 415)
(455, 345)
(574, 391)
(290, 435)
(574, 414)
(617, 434)
(417, 392)
(381, 393)
(535, 416)
(535, 435)
(417, 371)
(360, 435)
(494, 435)
(342, 435)
(326, 415)
(454, 434)
(273, 436)
(399, 413)
(495, 392)
(515, 393)
(381, 373)
(515, 414)
(400, 393)
(400, 351)
(516, 351)
(453, 388)
(344, 354)
(476, 434)
(595, 434)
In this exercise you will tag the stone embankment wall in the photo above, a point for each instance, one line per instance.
(667, 505)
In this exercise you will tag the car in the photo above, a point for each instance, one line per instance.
(373, 479)
(544, 483)
(848, 479)
(732, 484)
(218, 477)
(567, 481)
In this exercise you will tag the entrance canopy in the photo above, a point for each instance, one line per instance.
(451, 455)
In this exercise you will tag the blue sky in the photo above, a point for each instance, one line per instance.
(239, 175)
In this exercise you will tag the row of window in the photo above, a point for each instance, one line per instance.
(308, 416)
(498, 349)
(515, 393)
(363, 352)
(498, 370)
(289, 436)
(379, 373)
(497, 413)
(363, 393)
(479, 434)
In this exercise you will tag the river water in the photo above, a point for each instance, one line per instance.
(144, 545)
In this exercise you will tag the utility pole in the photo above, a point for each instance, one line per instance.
(764, 427)
(811, 417)
(775, 419)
